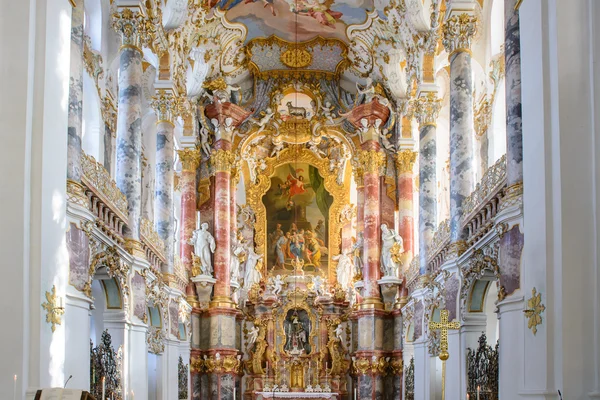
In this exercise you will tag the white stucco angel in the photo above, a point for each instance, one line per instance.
(391, 249)
(204, 245)
(264, 120)
(253, 335)
(313, 145)
(368, 91)
(384, 137)
(319, 285)
(204, 141)
(276, 285)
(277, 142)
(229, 126)
(253, 266)
(327, 110)
(363, 129)
(345, 268)
(339, 332)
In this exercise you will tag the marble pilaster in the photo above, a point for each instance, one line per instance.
(459, 31)
(165, 105)
(222, 160)
(427, 109)
(75, 95)
(514, 129)
(405, 161)
(129, 118)
(372, 160)
(190, 159)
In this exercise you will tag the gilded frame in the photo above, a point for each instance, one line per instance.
(256, 191)
(280, 331)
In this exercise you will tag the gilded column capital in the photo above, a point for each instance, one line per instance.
(131, 25)
(222, 160)
(371, 161)
(427, 108)
(166, 105)
(190, 158)
(405, 160)
(459, 31)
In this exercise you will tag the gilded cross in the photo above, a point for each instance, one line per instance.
(443, 326)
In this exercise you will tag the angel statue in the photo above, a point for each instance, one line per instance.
(319, 285)
(339, 332)
(204, 246)
(253, 266)
(344, 268)
(365, 93)
(391, 249)
(264, 120)
(328, 112)
(276, 285)
(205, 141)
(253, 335)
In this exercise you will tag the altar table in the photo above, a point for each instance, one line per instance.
(297, 395)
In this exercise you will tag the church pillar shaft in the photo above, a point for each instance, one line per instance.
(514, 129)
(459, 31)
(427, 108)
(75, 95)
(405, 160)
(190, 159)
(222, 160)
(163, 204)
(129, 119)
(372, 160)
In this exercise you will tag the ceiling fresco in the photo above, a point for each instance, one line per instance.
(296, 20)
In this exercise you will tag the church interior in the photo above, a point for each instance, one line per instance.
(300, 199)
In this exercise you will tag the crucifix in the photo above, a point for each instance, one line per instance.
(443, 326)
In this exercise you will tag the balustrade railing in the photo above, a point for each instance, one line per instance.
(153, 245)
(107, 202)
(439, 244)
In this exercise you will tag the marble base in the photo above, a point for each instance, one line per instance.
(204, 285)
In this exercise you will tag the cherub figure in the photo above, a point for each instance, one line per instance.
(253, 335)
(267, 115)
(328, 112)
(319, 285)
(277, 285)
(385, 141)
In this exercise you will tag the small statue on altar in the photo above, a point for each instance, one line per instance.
(357, 250)
(297, 375)
(344, 268)
(297, 335)
(238, 255)
(391, 251)
(253, 266)
(204, 245)
(276, 285)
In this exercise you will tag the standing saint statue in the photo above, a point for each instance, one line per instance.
(344, 268)
(391, 249)
(357, 250)
(238, 256)
(204, 246)
(253, 267)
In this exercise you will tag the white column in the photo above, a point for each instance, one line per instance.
(422, 369)
(561, 149)
(77, 339)
(170, 371)
(137, 356)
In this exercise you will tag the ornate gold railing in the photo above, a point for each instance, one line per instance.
(412, 274)
(480, 208)
(154, 247)
(107, 202)
(439, 244)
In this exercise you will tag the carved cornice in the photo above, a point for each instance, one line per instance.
(426, 109)
(459, 31)
(405, 160)
(190, 158)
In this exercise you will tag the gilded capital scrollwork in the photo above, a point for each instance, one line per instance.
(222, 160)
(371, 161)
(190, 158)
(166, 106)
(405, 160)
(459, 31)
(131, 25)
(426, 109)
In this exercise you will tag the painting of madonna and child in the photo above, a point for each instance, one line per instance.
(297, 206)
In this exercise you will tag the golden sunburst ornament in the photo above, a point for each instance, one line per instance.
(54, 311)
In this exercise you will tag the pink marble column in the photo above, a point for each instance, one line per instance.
(405, 161)
(190, 158)
(372, 159)
(222, 160)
